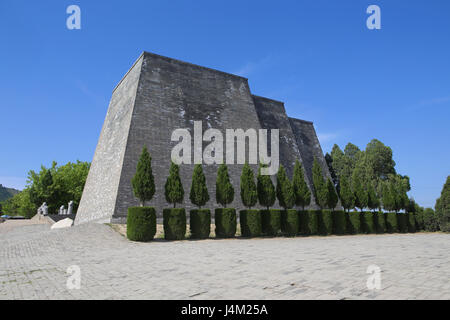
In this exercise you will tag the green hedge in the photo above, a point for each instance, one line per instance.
(325, 221)
(225, 221)
(367, 222)
(271, 222)
(411, 221)
(402, 223)
(353, 222)
(141, 223)
(380, 222)
(200, 223)
(339, 222)
(308, 222)
(290, 222)
(391, 222)
(250, 221)
(304, 226)
(174, 223)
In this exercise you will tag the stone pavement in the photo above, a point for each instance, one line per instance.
(34, 262)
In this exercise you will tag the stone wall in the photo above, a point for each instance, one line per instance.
(159, 95)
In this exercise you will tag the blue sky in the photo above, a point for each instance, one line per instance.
(318, 57)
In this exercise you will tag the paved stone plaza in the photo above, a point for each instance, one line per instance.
(34, 260)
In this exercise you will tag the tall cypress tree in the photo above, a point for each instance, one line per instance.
(285, 190)
(248, 187)
(199, 191)
(332, 197)
(224, 188)
(319, 184)
(302, 193)
(387, 197)
(373, 202)
(359, 189)
(143, 182)
(346, 194)
(265, 188)
(174, 191)
(443, 207)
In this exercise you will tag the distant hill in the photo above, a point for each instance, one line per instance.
(6, 193)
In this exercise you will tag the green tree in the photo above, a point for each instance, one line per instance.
(443, 207)
(265, 189)
(399, 187)
(42, 189)
(359, 187)
(224, 188)
(352, 152)
(333, 174)
(173, 189)
(338, 161)
(430, 220)
(143, 182)
(69, 181)
(284, 190)
(373, 201)
(379, 158)
(388, 195)
(302, 193)
(346, 194)
(199, 191)
(319, 185)
(332, 197)
(249, 193)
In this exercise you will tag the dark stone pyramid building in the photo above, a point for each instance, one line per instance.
(160, 94)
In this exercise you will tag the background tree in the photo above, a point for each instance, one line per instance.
(346, 194)
(249, 194)
(332, 197)
(224, 188)
(359, 187)
(352, 154)
(143, 182)
(430, 220)
(319, 185)
(56, 186)
(443, 207)
(373, 201)
(333, 174)
(302, 194)
(199, 191)
(173, 189)
(42, 188)
(265, 189)
(285, 190)
(68, 182)
(388, 197)
(399, 187)
(338, 162)
(379, 159)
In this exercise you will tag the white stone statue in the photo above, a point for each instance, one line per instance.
(43, 209)
(61, 210)
(70, 210)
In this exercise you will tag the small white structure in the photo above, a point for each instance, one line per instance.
(43, 209)
(70, 210)
(65, 223)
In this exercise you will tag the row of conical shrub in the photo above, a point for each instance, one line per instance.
(141, 221)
